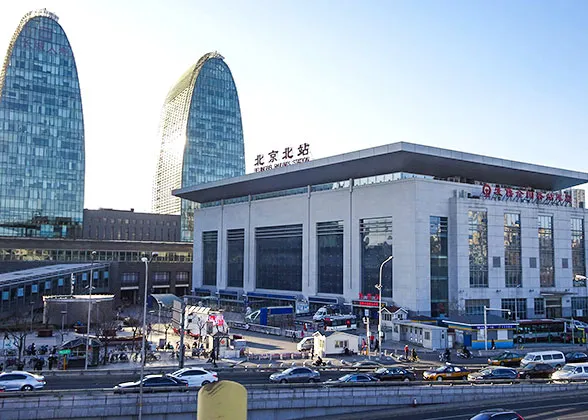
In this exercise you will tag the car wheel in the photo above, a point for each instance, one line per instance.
(312, 381)
(439, 378)
(501, 363)
(283, 381)
(205, 383)
(406, 380)
(27, 388)
(558, 367)
(527, 376)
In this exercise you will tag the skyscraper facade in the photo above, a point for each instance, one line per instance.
(201, 136)
(42, 160)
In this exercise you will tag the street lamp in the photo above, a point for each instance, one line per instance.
(92, 256)
(63, 314)
(144, 332)
(486, 309)
(379, 287)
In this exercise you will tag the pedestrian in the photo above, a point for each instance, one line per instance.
(312, 352)
(406, 351)
(414, 355)
(377, 346)
(50, 362)
(493, 345)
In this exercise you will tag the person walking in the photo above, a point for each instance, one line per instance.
(493, 345)
(406, 351)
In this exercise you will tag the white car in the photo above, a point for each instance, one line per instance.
(21, 381)
(196, 376)
(571, 372)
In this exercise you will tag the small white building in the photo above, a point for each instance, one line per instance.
(424, 335)
(334, 342)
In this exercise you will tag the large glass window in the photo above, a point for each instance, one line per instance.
(476, 306)
(278, 257)
(235, 255)
(578, 252)
(517, 308)
(330, 257)
(513, 269)
(478, 242)
(439, 266)
(580, 304)
(209, 257)
(546, 261)
(376, 247)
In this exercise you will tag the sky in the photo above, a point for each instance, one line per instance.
(503, 78)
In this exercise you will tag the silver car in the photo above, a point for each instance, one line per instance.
(296, 374)
(21, 381)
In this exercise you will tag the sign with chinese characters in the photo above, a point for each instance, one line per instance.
(368, 300)
(278, 158)
(557, 198)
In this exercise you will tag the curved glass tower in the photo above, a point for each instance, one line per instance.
(201, 136)
(41, 133)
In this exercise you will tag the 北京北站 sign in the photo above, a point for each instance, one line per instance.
(557, 198)
(286, 157)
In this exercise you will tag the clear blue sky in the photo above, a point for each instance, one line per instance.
(503, 78)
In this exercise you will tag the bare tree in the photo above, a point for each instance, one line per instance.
(105, 328)
(16, 329)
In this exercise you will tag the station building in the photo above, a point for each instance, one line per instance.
(465, 231)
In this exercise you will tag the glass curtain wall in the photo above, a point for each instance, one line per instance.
(235, 255)
(278, 258)
(513, 269)
(476, 306)
(376, 247)
(439, 266)
(478, 242)
(209, 257)
(578, 252)
(330, 257)
(546, 258)
(517, 308)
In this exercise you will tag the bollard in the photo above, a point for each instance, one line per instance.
(414, 402)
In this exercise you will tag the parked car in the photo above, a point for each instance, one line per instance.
(306, 344)
(493, 373)
(195, 376)
(152, 382)
(367, 364)
(507, 358)
(536, 370)
(354, 377)
(497, 414)
(571, 372)
(21, 381)
(551, 357)
(394, 374)
(296, 374)
(576, 357)
(445, 373)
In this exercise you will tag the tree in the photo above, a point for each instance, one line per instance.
(105, 328)
(16, 330)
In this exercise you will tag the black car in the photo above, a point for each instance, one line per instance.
(576, 357)
(354, 378)
(366, 365)
(394, 374)
(493, 373)
(497, 414)
(152, 382)
(536, 370)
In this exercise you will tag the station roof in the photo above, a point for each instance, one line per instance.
(39, 273)
(391, 158)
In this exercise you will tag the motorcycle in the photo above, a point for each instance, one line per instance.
(444, 358)
(464, 355)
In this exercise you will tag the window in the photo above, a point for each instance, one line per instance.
(330, 257)
(564, 263)
(495, 262)
(517, 308)
(209, 257)
(580, 303)
(182, 277)
(513, 268)
(439, 266)
(578, 252)
(532, 262)
(539, 306)
(476, 306)
(546, 271)
(235, 255)
(278, 258)
(376, 247)
(478, 244)
(427, 335)
(161, 277)
(341, 344)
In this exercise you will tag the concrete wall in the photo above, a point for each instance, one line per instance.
(265, 402)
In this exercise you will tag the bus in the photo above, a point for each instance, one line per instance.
(340, 322)
(536, 330)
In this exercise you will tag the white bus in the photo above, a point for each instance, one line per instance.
(340, 322)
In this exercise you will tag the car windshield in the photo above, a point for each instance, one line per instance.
(486, 372)
(345, 378)
(441, 369)
(568, 368)
(529, 357)
(288, 371)
(382, 370)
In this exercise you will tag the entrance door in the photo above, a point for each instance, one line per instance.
(553, 307)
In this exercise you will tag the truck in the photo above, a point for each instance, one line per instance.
(275, 316)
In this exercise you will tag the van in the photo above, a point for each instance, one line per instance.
(571, 372)
(306, 344)
(553, 358)
(320, 314)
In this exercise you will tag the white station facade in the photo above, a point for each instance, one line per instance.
(465, 231)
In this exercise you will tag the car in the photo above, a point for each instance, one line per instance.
(366, 364)
(195, 376)
(446, 372)
(306, 344)
(21, 381)
(497, 414)
(152, 382)
(571, 372)
(394, 374)
(576, 357)
(536, 370)
(296, 374)
(493, 373)
(507, 358)
(354, 377)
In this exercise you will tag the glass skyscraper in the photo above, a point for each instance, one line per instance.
(41, 133)
(201, 136)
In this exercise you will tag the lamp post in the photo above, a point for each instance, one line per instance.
(144, 331)
(63, 314)
(486, 309)
(379, 287)
(92, 256)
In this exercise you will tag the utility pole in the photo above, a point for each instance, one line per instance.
(182, 332)
(367, 333)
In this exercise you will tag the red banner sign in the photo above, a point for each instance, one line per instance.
(526, 195)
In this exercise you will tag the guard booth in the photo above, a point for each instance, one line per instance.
(470, 331)
(424, 335)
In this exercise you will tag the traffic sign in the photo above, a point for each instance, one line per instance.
(65, 351)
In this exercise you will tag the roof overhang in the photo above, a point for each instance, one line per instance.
(392, 158)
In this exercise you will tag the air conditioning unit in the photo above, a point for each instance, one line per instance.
(579, 312)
